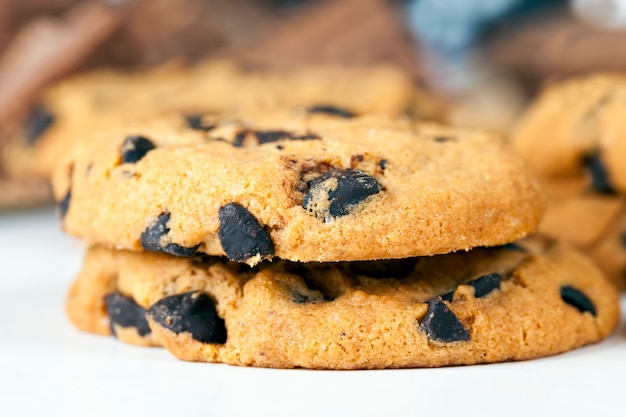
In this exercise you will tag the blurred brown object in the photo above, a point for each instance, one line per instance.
(25, 192)
(59, 37)
(339, 32)
(156, 31)
(14, 14)
(557, 45)
(48, 48)
(56, 38)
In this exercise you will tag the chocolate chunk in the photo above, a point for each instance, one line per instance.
(268, 136)
(125, 312)
(308, 136)
(383, 164)
(482, 286)
(152, 236)
(241, 235)
(485, 284)
(195, 122)
(192, 312)
(271, 136)
(447, 296)
(135, 147)
(510, 246)
(331, 110)
(337, 192)
(392, 268)
(355, 160)
(239, 138)
(440, 324)
(299, 298)
(64, 204)
(577, 299)
(39, 120)
(599, 176)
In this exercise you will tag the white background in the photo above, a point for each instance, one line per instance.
(47, 368)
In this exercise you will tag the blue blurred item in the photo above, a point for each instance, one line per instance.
(451, 27)
(450, 32)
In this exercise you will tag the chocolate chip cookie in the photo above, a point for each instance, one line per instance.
(573, 136)
(529, 299)
(575, 129)
(78, 106)
(316, 189)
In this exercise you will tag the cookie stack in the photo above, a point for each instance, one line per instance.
(577, 154)
(316, 239)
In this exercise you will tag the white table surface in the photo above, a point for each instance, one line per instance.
(47, 368)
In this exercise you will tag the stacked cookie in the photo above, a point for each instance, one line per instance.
(316, 239)
(578, 156)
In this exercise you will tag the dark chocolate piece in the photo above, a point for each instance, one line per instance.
(599, 176)
(441, 325)
(482, 286)
(331, 110)
(299, 298)
(38, 121)
(64, 204)
(447, 296)
(337, 192)
(576, 298)
(151, 238)
(510, 246)
(267, 136)
(383, 164)
(135, 147)
(125, 312)
(195, 122)
(239, 138)
(485, 284)
(241, 235)
(271, 136)
(355, 160)
(192, 312)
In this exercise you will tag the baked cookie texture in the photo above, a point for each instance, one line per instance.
(525, 300)
(78, 106)
(321, 188)
(574, 137)
(575, 127)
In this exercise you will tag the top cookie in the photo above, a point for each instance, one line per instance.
(321, 188)
(80, 105)
(576, 129)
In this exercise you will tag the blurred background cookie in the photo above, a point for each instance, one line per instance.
(573, 135)
(482, 59)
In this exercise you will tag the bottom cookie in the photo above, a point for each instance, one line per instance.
(520, 301)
